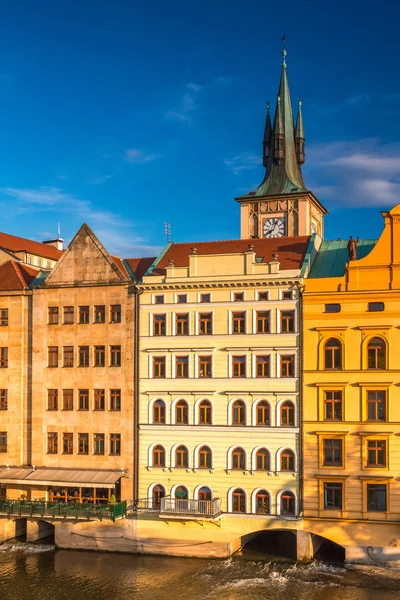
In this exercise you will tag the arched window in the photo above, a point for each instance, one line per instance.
(238, 413)
(238, 459)
(182, 412)
(157, 494)
(287, 460)
(158, 456)
(263, 413)
(287, 413)
(238, 501)
(159, 411)
(262, 460)
(205, 413)
(181, 457)
(181, 493)
(333, 354)
(205, 458)
(205, 494)
(376, 351)
(288, 503)
(263, 505)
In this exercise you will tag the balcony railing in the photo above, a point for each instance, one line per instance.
(27, 508)
(198, 508)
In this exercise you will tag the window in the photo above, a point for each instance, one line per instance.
(48, 264)
(53, 356)
(205, 297)
(181, 457)
(157, 495)
(205, 413)
(83, 443)
(333, 495)
(3, 358)
(159, 299)
(263, 413)
(333, 354)
(376, 306)
(3, 441)
(238, 459)
(68, 399)
(332, 452)
(238, 413)
(98, 443)
(239, 322)
(115, 356)
(376, 351)
(181, 493)
(99, 400)
(99, 356)
(68, 356)
(287, 460)
(287, 503)
(83, 399)
(262, 502)
(39, 262)
(205, 458)
(68, 443)
(262, 296)
(115, 313)
(238, 366)
(376, 405)
(287, 366)
(115, 444)
(287, 413)
(262, 366)
(238, 501)
(3, 399)
(115, 399)
(376, 453)
(263, 321)
(287, 295)
(205, 494)
(100, 314)
(332, 308)
(53, 315)
(205, 323)
(158, 456)
(333, 405)
(68, 315)
(205, 366)
(159, 324)
(182, 324)
(3, 317)
(181, 366)
(83, 356)
(83, 314)
(158, 367)
(52, 399)
(238, 296)
(376, 497)
(287, 321)
(262, 460)
(181, 298)
(159, 411)
(52, 443)
(181, 413)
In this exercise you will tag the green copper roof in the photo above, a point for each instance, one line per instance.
(299, 133)
(332, 257)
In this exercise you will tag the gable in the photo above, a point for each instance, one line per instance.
(85, 261)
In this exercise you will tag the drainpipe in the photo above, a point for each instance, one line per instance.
(300, 289)
(136, 396)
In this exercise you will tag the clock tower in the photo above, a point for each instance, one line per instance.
(282, 206)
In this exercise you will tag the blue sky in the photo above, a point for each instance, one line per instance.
(129, 113)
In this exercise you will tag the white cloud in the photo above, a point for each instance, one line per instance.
(243, 162)
(189, 105)
(134, 155)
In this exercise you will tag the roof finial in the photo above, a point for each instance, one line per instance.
(283, 39)
(267, 104)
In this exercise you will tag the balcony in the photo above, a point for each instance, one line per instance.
(182, 508)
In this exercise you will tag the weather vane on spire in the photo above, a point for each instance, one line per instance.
(283, 40)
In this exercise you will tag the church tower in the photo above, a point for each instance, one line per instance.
(282, 206)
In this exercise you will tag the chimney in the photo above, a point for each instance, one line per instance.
(56, 243)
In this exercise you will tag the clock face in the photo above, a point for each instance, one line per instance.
(274, 227)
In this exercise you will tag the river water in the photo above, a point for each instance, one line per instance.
(40, 572)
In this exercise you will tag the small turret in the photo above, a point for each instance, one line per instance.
(299, 136)
(267, 137)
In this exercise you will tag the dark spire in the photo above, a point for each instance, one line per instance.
(299, 136)
(267, 137)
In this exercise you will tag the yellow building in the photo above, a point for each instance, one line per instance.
(351, 397)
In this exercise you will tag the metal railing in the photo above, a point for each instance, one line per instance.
(180, 506)
(27, 508)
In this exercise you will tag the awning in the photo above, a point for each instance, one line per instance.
(61, 477)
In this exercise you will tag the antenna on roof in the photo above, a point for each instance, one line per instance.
(58, 231)
(167, 229)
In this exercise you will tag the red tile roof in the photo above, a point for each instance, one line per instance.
(17, 244)
(15, 276)
(120, 265)
(290, 251)
(139, 266)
